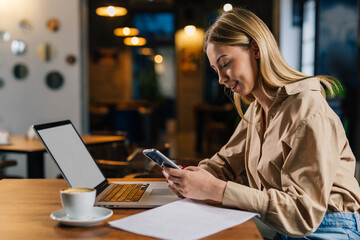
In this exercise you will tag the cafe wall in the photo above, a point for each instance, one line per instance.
(41, 67)
(110, 76)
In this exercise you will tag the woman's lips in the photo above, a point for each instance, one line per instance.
(233, 87)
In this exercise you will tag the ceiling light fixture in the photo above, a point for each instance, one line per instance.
(227, 7)
(126, 32)
(158, 58)
(190, 29)
(135, 41)
(146, 51)
(111, 11)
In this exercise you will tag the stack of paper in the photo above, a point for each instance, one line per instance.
(183, 219)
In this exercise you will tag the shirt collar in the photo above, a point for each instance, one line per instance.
(300, 86)
(292, 89)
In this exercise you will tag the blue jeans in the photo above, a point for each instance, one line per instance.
(334, 226)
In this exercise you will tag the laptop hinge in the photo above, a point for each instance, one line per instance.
(101, 188)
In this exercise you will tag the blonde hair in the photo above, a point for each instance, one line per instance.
(240, 27)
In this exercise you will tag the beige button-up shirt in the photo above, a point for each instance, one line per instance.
(300, 169)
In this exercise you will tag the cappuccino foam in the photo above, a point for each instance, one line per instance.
(77, 190)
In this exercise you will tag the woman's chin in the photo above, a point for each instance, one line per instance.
(242, 93)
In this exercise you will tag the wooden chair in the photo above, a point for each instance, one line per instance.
(135, 162)
(214, 126)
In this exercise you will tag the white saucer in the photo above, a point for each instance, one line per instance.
(98, 215)
(5, 143)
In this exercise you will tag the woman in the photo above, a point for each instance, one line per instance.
(289, 158)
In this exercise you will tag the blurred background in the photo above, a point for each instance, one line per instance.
(136, 67)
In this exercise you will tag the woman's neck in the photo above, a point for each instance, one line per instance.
(263, 99)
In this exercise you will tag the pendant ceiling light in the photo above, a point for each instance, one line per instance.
(111, 11)
(146, 51)
(135, 41)
(126, 32)
(190, 29)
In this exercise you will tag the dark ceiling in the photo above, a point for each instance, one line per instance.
(185, 12)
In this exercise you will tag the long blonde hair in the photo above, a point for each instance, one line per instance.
(240, 27)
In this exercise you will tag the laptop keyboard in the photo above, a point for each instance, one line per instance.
(125, 193)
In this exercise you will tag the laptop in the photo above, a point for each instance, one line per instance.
(79, 169)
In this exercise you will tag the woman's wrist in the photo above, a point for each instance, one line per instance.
(219, 190)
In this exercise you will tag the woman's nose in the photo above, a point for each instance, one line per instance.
(222, 78)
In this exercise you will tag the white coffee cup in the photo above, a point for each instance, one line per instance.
(4, 136)
(78, 202)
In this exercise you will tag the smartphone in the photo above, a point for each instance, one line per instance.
(159, 158)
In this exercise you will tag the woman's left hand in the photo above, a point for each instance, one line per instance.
(196, 183)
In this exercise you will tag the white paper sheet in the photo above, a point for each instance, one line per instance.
(182, 220)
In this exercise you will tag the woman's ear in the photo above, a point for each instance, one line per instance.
(255, 49)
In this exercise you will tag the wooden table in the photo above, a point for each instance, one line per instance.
(34, 150)
(26, 205)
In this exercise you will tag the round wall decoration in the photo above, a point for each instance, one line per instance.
(20, 71)
(46, 52)
(18, 47)
(2, 83)
(54, 80)
(70, 59)
(26, 25)
(53, 25)
(4, 36)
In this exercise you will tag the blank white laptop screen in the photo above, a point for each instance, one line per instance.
(72, 156)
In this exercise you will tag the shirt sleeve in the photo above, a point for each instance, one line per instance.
(228, 163)
(310, 163)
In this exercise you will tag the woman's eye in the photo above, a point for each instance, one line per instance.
(225, 65)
